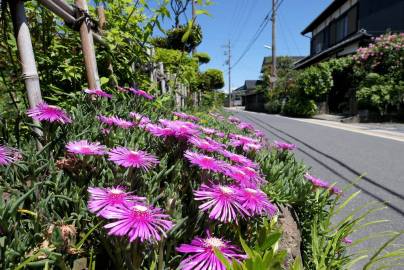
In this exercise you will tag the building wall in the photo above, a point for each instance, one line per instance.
(348, 4)
(377, 16)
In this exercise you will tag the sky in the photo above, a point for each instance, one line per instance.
(238, 20)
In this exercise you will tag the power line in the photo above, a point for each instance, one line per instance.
(244, 22)
(257, 34)
(237, 11)
(291, 36)
(259, 31)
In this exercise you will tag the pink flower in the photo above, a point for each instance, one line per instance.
(180, 129)
(220, 134)
(105, 120)
(239, 159)
(259, 133)
(122, 123)
(186, 116)
(322, 184)
(97, 92)
(159, 131)
(222, 202)
(240, 176)
(138, 221)
(256, 202)
(283, 146)
(50, 113)
(347, 240)
(141, 93)
(103, 198)
(208, 131)
(234, 120)
(204, 144)
(317, 182)
(129, 158)
(245, 142)
(115, 121)
(248, 147)
(204, 162)
(84, 147)
(8, 155)
(202, 254)
(245, 126)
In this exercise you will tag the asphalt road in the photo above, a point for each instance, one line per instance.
(342, 156)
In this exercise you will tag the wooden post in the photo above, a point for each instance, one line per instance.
(101, 17)
(87, 44)
(102, 20)
(27, 57)
(163, 78)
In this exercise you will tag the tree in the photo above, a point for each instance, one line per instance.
(174, 38)
(211, 79)
(203, 58)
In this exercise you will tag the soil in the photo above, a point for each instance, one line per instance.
(291, 238)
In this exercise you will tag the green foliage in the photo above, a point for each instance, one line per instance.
(300, 107)
(175, 40)
(315, 82)
(203, 58)
(380, 71)
(380, 92)
(265, 254)
(285, 176)
(180, 64)
(211, 79)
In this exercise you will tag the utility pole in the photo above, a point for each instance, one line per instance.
(228, 63)
(273, 19)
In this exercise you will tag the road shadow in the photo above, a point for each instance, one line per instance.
(264, 126)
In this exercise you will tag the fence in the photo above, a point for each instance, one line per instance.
(78, 18)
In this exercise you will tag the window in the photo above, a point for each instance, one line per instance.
(352, 20)
(342, 28)
(336, 31)
(333, 32)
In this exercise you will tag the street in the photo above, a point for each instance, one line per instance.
(341, 156)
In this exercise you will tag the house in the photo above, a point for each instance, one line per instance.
(346, 25)
(254, 96)
(238, 96)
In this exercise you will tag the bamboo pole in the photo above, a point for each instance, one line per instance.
(27, 58)
(66, 12)
(102, 20)
(101, 17)
(87, 44)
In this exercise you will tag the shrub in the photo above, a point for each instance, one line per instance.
(300, 107)
(315, 82)
(379, 68)
(380, 93)
(175, 40)
(203, 58)
(211, 79)
(274, 106)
